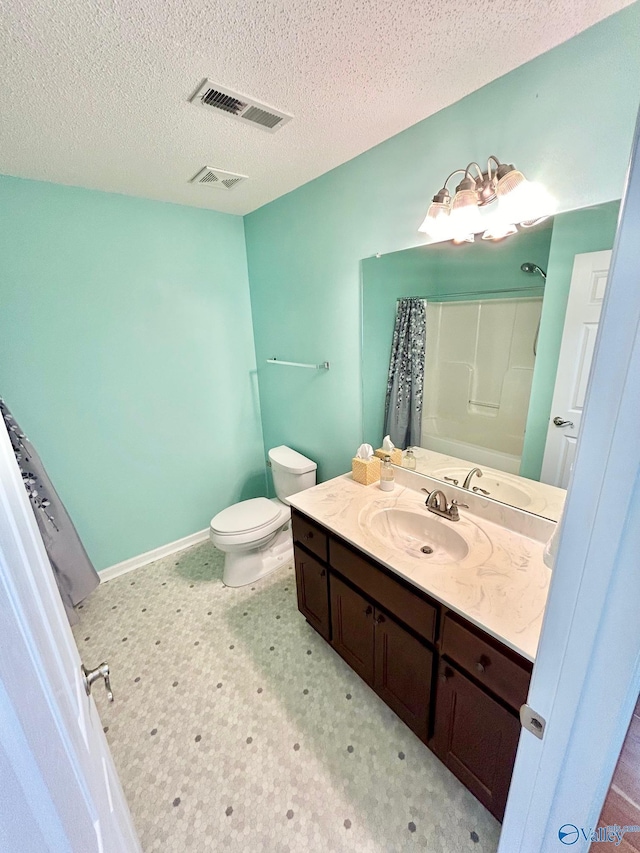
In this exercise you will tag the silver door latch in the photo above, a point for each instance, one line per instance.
(90, 677)
(532, 721)
(561, 422)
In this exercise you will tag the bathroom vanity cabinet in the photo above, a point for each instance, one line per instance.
(456, 687)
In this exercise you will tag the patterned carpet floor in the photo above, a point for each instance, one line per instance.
(236, 728)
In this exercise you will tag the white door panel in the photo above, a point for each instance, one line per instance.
(67, 778)
(588, 286)
(586, 676)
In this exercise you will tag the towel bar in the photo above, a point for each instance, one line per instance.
(323, 366)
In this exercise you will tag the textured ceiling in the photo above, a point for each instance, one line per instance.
(95, 92)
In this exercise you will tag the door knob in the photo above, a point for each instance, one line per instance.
(559, 422)
(90, 677)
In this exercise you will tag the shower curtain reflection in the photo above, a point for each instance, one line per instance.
(405, 382)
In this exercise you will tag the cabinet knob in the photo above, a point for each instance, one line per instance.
(368, 611)
(379, 618)
(323, 573)
(308, 535)
(483, 663)
(446, 674)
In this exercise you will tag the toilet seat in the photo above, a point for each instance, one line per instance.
(248, 521)
(245, 516)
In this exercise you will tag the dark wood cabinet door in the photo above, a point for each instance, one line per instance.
(403, 671)
(352, 628)
(475, 737)
(312, 585)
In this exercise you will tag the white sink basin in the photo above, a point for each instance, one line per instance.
(418, 531)
(426, 537)
(500, 488)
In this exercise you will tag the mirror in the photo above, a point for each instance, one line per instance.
(493, 340)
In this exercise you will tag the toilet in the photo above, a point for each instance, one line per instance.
(255, 535)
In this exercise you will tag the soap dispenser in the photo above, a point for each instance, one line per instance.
(386, 475)
(409, 459)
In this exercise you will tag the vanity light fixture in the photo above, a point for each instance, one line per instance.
(518, 202)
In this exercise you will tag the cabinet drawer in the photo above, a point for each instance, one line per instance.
(414, 611)
(500, 672)
(309, 534)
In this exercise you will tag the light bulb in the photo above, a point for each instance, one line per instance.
(543, 205)
(436, 222)
(497, 228)
(520, 200)
(465, 217)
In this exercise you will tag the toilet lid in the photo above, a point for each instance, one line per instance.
(245, 516)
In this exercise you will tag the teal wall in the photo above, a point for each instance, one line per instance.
(589, 230)
(566, 119)
(126, 353)
(435, 272)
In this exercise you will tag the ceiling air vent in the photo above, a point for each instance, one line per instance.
(215, 97)
(217, 178)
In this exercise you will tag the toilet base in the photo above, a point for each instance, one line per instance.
(245, 567)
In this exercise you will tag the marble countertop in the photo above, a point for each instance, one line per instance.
(500, 585)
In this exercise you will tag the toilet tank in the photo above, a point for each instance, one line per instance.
(292, 472)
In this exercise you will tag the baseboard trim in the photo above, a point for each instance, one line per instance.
(156, 554)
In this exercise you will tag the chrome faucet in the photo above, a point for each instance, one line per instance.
(469, 477)
(437, 503)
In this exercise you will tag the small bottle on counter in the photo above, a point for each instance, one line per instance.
(409, 460)
(386, 475)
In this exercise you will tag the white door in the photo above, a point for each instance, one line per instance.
(588, 284)
(59, 790)
(586, 676)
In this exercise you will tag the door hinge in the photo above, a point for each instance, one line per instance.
(532, 721)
